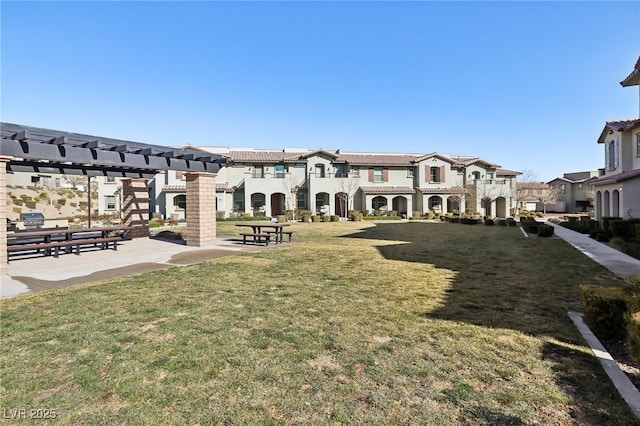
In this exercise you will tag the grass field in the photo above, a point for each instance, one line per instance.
(355, 323)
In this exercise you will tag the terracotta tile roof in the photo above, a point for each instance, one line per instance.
(618, 126)
(222, 186)
(619, 177)
(377, 159)
(505, 172)
(532, 185)
(264, 156)
(387, 190)
(632, 79)
(450, 190)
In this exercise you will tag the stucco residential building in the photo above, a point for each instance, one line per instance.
(617, 190)
(575, 192)
(272, 182)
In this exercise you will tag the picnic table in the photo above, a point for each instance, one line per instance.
(263, 231)
(52, 240)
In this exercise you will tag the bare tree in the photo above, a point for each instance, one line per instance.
(348, 187)
(549, 196)
(525, 184)
(293, 188)
(76, 180)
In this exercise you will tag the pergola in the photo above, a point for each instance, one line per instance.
(36, 150)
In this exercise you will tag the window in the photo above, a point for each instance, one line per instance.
(111, 179)
(319, 170)
(110, 202)
(377, 175)
(238, 201)
(180, 201)
(35, 179)
(341, 171)
(489, 175)
(410, 172)
(580, 187)
(238, 164)
(302, 200)
(378, 203)
(611, 155)
(257, 172)
(475, 176)
(355, 171)
(638, 144)
(434, 174)
(280, 170)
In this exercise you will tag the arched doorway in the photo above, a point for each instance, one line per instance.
(399, 204)
(342, 204)
(615, 203)
(606, 206)
(379, 203)
(485, 203)
(277, 204)
(453, 204)
(501, 207)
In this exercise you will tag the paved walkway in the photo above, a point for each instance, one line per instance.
(617, 262)
(133, 257)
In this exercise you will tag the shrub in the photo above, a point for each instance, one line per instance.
(604, 311)
(489, 222)
(282, 218)
(315, 218)
(545, 231)
(623, 229)
(607, 220)
(335, 218)
(633, 334)
(30, 204)
(531, 227)
(155, 224)
(502, 222)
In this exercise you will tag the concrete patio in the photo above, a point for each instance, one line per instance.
(42, 273)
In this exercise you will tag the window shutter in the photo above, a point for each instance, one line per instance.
(616, 153)
(607, 163)
(427, 173)
(385, 175)
(370, 175)
(442, 174)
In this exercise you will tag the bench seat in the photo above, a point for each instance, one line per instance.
(256, 238)
(67, 244)
(287, 233)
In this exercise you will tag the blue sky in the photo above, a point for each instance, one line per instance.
(527, 85)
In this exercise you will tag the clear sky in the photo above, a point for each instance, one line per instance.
(527, 85)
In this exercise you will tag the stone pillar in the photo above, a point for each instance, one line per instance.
(135, 208)
(201, 209)
(4, 265)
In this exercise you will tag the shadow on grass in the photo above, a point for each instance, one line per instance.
(503, 280)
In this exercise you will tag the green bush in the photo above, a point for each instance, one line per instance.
(604, 311)
(30, 204)
(155, 224)
(335, 218)
(502, 222)
(531, 227)
(633, 334)
(623, 229)
(545, 231)
(606, 221)
(489, 222)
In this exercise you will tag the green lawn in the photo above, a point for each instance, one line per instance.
(362, 323)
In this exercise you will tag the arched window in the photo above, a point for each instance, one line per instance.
(378, 203)
(180, 201)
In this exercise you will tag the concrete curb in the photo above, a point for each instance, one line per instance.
(622, 383)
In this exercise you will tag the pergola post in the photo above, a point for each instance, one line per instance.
(201, 209)
(4, 265)
(135, 209)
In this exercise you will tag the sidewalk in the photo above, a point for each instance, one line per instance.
(133, 257)
(617, 262)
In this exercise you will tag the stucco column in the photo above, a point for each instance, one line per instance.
(201, 209)
(4, 266)
(135, 209)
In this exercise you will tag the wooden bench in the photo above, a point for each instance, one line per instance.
(66, 244)
(287, 233)
(257, 238)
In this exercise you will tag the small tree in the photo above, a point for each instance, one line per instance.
(549, 196)
(348, 187)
